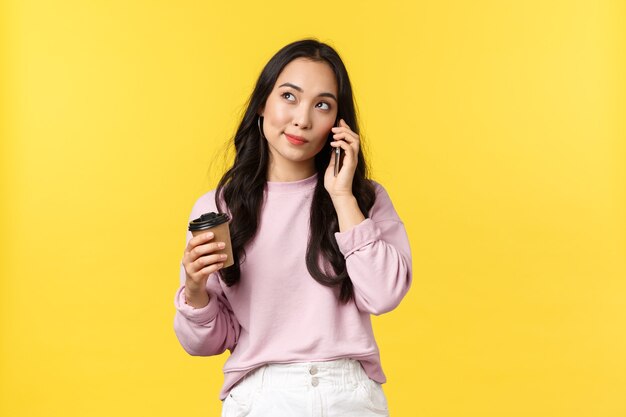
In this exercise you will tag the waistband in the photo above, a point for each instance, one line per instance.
(341, 373)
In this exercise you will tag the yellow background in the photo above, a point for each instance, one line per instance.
(496, 126)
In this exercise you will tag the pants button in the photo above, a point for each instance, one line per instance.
(315, 382)
(313, 370)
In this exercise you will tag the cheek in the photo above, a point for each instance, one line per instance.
(325, 137)
(276, 114)
(329, 121)
(326, 130)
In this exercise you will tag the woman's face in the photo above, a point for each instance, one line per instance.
(298, 115)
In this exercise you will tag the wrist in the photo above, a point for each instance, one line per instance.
(348, 212)
(343, 198)
(196, 299)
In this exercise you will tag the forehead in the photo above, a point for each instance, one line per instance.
(311, 76)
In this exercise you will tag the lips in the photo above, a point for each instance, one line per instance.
(296, 140)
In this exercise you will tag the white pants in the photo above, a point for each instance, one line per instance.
(338, 388)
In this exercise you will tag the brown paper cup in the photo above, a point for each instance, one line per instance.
(222, 234)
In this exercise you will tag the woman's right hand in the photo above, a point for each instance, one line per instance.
(200, 261)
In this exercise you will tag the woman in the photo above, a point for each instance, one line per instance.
(315, 254)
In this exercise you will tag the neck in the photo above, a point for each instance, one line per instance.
(290, 172)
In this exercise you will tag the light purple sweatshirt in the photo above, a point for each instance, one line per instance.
(277, 312)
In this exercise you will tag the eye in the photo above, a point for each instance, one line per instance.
(283, 95)
(327, 105)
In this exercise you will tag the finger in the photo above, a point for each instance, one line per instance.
(208, 260)
(202, 274)
(343, 136)
(212, 268)
(199, 239)
(344, 125)
(202, 250)
(340, 144)
(349, 136)
(353, 147)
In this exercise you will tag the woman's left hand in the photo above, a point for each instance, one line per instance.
(348, 141)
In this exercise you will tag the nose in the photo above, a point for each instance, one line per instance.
(302, 119)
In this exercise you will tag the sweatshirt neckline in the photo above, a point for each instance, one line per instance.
(292, 186)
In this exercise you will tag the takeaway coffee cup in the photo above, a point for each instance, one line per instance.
(218, 224)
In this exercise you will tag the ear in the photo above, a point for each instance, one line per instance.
(260, 111)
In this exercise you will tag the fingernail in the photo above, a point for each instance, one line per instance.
(221, 245)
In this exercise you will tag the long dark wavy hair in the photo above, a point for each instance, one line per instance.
(242, 187)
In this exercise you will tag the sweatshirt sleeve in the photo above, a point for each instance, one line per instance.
(212, 329)
(378, 257)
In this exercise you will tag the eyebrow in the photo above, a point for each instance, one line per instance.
(325, 94)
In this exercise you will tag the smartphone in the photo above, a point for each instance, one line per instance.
(337, 152)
